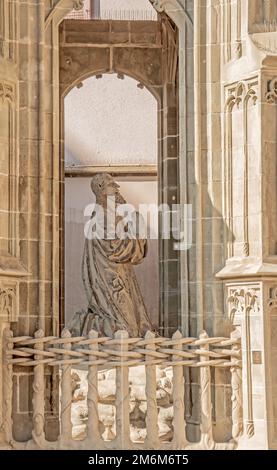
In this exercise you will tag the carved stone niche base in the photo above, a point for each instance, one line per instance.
(9, 300)
(9, 310)
(9, 293)
(252, 306)
(11, 272)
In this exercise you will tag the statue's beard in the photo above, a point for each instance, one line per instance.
(118, 198)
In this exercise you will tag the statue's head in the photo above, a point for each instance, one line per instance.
(103, 184)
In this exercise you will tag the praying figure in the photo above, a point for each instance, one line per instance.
(114, 298)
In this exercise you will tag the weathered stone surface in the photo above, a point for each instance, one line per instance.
(113, 294)
(226, 169)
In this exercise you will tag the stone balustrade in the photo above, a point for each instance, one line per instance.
(94, 353)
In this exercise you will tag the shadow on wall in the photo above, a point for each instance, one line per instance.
(216, 322)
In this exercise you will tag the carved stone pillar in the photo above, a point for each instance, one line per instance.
(9, 303)
(249, 205)
(252, 306)
(250, 272)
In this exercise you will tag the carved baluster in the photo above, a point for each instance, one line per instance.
(236, 383)
(122, 403)
(38, 434)
(93, 434)
(66, 393)
(152, 437)
(207, 441)
(179, 424)
(7, 386)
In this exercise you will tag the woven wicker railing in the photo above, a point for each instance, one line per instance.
(122, 352)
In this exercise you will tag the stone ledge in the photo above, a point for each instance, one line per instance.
(247, 268)
(12, 267)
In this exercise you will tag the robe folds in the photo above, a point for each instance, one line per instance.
(113, 294)
(114, 298)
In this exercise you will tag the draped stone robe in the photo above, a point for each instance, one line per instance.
(113, 294)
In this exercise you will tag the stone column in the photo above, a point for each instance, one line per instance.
(249, 122)
(251, 280)
(252, 307)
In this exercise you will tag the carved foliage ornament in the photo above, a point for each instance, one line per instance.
(240, 300)
(78, 4)
(271, 95)
(242, 92)
(7, 302)
(6, 92)
(272, 301)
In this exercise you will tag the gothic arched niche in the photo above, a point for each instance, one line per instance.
(110, 126)
(163, 74)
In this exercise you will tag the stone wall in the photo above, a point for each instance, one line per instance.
(227, 93)
(110, 121)
(26, 282)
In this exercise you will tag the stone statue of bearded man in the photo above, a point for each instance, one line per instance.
(114, 298)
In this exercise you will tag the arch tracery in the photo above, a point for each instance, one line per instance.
(171, 7)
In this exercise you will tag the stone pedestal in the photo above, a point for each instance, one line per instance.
(9, 312)
(252, 306)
